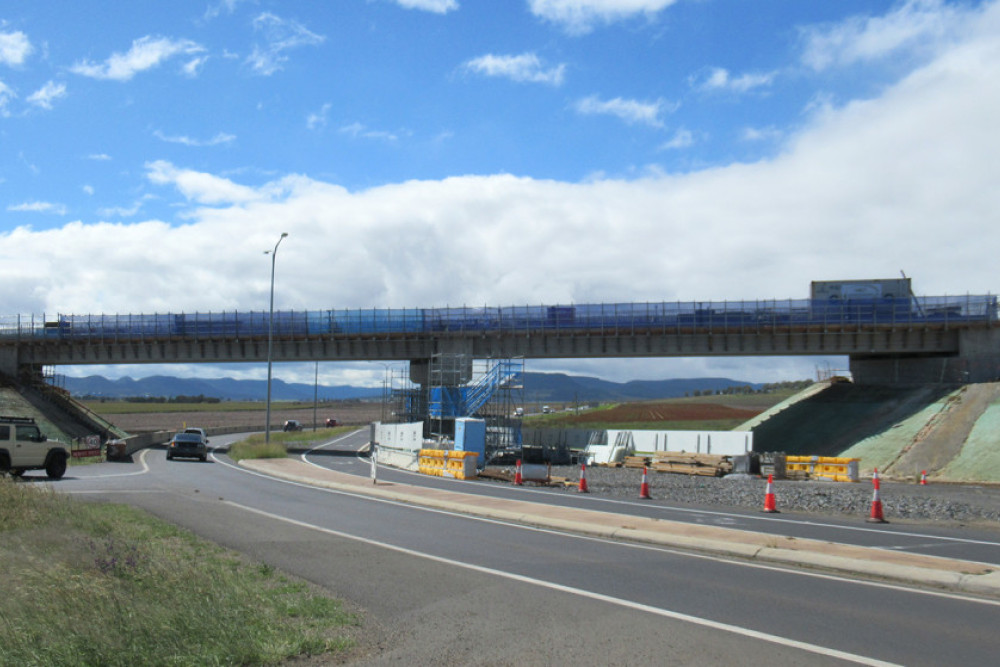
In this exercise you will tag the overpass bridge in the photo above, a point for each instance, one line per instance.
(888, 340)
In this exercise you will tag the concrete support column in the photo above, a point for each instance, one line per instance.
(8, 360)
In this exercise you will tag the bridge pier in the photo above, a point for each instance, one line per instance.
(8, 360)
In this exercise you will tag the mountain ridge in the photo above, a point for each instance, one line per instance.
(538, 387)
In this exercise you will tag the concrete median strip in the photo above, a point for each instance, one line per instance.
(932, 571)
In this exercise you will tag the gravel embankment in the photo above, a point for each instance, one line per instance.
(949, 503)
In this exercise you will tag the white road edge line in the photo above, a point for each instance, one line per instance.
(629, 545)
(749, 517)
(725, 627)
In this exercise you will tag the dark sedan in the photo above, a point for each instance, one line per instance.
(187, 445)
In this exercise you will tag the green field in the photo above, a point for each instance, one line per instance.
(135, 407)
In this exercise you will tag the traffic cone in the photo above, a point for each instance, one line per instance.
(644, 487)
(517, 474)
(770, 504)
(923, 478)
(583, 478)
(876, 513)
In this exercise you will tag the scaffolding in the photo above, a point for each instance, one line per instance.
(456, 386)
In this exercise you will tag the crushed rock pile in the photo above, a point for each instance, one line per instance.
(934, 502)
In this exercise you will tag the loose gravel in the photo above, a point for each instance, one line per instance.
(945, 503)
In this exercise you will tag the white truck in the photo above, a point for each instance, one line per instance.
(24, 447)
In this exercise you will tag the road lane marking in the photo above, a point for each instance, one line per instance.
(628, 604)
(621, 543)
(729, 516)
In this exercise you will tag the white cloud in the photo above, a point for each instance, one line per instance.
(99, 157)
(223, 6)
(280, 35)
(761, 134)
(88, 189)
(120, 211)
(39, 207)
(682, 139)
(630, 111)
(524, 68)
(317, 120)
(904, 180)
(15, 47)
(436, 6)
(718, 78)
(146, 53)
(47, 94)
(581, 16)
(359, 131)
(200, 187)
(6, 95)
(914, 25)
(192, 67)
(220, 138)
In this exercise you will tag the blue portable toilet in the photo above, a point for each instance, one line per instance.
(470, 436)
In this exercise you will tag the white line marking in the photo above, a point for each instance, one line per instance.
(696, 620)
(630, 545)
(726, 515)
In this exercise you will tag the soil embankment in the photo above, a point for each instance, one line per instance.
(949, 431)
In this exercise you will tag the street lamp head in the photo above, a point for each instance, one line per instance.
(284, 234)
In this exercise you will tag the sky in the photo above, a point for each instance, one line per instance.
(429, 153)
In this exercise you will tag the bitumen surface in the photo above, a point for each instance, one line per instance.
(901, 567)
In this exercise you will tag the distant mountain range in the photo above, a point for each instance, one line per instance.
(538, 387)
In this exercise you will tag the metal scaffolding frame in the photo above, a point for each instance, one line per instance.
(459, 386)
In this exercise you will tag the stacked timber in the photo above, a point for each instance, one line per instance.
(684, 463)
(636, 461)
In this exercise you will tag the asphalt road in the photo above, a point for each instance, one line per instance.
(440, 588)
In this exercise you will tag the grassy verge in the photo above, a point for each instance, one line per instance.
(94, 584)
(255, 446)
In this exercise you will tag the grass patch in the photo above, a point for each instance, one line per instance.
(94, 584)
(255, 447)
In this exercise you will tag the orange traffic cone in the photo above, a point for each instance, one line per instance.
(770, 504)
(517, 474)
(876, 513)
(644, 487)
(583, 478)
(923, 478)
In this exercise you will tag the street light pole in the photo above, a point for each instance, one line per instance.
(270, 341)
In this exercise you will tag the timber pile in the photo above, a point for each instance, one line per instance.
(710, 465)
(636, 461)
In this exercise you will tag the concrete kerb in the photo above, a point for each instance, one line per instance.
(901, 567)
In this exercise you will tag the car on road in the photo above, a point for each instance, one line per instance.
(187, 445)
(331, 422)
(292, 425)
(199, 431)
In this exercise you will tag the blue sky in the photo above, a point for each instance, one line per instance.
(448, 152)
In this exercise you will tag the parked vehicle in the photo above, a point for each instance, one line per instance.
(24, 447)
(187, 445)
(292, 425)
(331, 422)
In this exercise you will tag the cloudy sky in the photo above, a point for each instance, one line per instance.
(426, 153)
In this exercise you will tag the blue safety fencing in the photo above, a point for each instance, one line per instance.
(665, 317)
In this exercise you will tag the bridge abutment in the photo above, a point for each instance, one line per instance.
(977, 360)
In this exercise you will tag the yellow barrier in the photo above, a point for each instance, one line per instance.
(461, 465)
(447, 463)
(835, 468)
(432, 461)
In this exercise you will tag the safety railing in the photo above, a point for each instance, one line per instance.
(665, 317)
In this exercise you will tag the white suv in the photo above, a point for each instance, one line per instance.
(23, 447)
